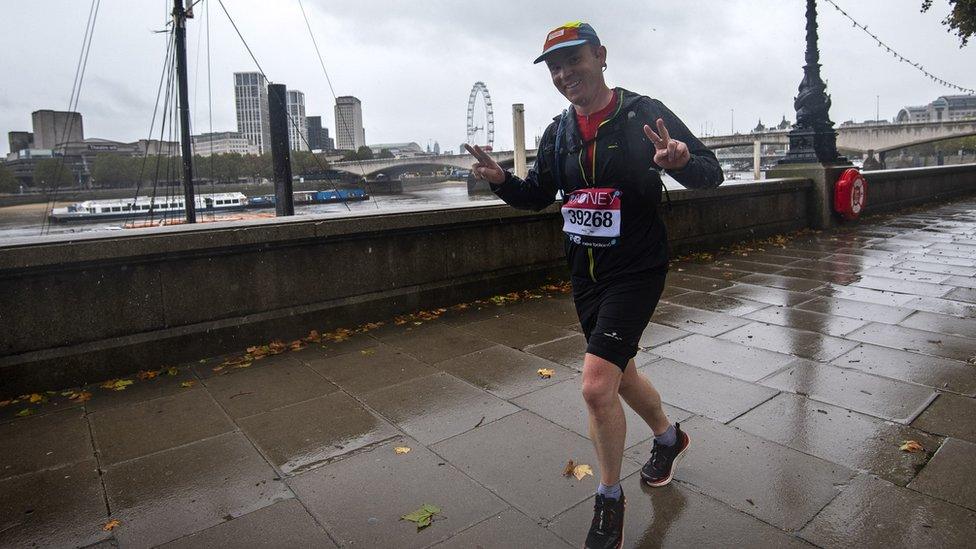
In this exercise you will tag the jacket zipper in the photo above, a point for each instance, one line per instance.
(592, 181)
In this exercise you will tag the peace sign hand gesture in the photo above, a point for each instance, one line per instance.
(486, 167)
(669, 154)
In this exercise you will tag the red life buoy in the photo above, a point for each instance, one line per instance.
(850, 194)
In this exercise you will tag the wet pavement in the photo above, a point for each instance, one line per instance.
(799, 368)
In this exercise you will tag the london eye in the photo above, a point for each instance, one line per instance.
(474, 136)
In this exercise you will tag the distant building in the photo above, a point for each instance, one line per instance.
(349, 123)
(945, 108)
(864, 123)
(251, 101)
(19, 141)
(51, 128)
(399, 150)
(297, 125)
(318, 137)
(207, 144)
(437, 148)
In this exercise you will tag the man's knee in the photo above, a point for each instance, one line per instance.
(601, 381)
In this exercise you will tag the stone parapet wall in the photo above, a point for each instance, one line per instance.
(890, 190)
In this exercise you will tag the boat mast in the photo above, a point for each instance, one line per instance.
(180, 16)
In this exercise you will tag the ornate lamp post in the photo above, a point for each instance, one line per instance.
(813, 138)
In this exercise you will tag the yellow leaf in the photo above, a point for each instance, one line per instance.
(188, 384)
(546, 373)
(81, 396)
(35, 398)
(911, 446)
(581, 471)
(24, 413)
(367, 352)
(121, 384)
(173, 371)
(110, 525)
(148, 374)
(401, 450)
(568, 469)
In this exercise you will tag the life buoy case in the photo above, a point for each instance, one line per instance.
(850, 194)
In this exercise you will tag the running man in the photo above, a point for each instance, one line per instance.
(605, 154)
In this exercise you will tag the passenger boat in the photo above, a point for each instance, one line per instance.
(145, 206)
(311, 197)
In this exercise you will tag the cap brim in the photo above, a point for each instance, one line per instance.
(561, 45)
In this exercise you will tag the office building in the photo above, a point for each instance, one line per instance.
(19, 141)
(318, 137)
(297, 125)
(349, 123)
(251, 101)
(51, 128)
(207, 144)
(946, 108)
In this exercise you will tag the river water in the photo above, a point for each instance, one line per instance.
(28, 220)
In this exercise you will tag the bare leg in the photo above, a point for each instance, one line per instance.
(608, 427)
(640, 395)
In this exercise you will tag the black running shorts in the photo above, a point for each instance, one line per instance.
(614, 315)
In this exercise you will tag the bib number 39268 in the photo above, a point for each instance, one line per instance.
(591, 217)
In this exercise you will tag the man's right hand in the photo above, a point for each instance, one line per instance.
(485, 167)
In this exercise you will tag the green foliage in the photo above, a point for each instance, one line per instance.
(8, 183)
(365, 153)
(112, 170)
(385, 153)
(51, 172)
(961, 19)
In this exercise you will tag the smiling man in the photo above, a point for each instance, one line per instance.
(605, 154)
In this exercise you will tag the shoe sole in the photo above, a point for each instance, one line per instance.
(674, 467)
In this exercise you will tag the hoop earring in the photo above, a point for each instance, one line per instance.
(604, 68)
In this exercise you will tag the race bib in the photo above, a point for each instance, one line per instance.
(591, 217)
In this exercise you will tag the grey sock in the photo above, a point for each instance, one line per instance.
(610, 492)
(667, 438)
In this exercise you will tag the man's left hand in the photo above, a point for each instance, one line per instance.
(669, 154)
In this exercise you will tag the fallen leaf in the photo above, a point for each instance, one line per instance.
(148, 374)
(581, 471)
(4, 403)
(173, 371)
(297, 345)
(117, 384)
(25, 412)
(546, 373)
(110, 525)
(401, 450)
(971, 360)
(81, 396)
(217, 368)
(568, 469)
(911, 446)
(367, 352)
(188, 384)
(35, 398)
(423, 516)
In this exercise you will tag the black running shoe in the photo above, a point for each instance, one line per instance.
(659, 470)
(607, 530)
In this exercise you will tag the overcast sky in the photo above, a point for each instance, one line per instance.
(413, 63)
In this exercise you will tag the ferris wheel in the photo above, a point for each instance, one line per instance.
(479, 87)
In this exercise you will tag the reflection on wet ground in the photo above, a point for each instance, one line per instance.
(798, 369)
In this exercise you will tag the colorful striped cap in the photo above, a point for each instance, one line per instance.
(571, 34)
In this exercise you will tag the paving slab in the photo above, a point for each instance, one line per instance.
(951, 474)
(962, 294)
(866, 295)
(509, 528)
(711, 270)
(875, 513)
(950, 415)
(567, 351)
(961, 281)
(905, 271)
(717, 303)
(44, 442)
(943, 324)
(676, 516)
(810, 321)
(943, 306)
(875, 396)
(170, 494)
(516, 331)
(211, 367)
(317, 431)
(840, 436)
(764, 294)
(724, 357)
(917, 341)
(327, 348)
(361, 498)
(658, 334)
(254, 391)
(563, 405)
(505, 372)
(773, 483)
(859, 310)
(369, 369)
(766, 257)
(820, 274)
(703, 392)
(790, 341)
(793, 252)
(141, 390)
(436, 407)
(143, 428)
(555, 311)
(925, 262)
(901, 286)
(525, 463)
(696, 320)
(782, 282)
(931, 371)
(696, 283)
(747, 266)
(433, 342)
(63, 507)
(282, 524)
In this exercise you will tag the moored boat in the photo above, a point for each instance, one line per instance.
(146, 206)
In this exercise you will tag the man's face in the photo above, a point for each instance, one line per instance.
(577, 72)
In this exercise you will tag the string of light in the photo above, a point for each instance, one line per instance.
(901, 58)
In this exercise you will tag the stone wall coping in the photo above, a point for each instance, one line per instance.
(913, 173)
(143, 244)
